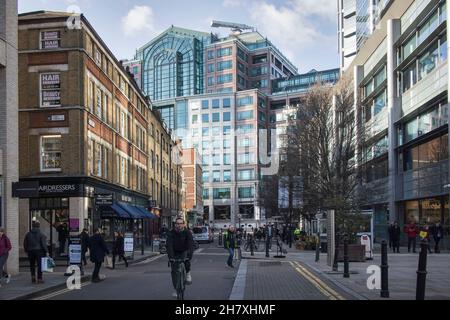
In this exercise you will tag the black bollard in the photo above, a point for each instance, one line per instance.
(267, 247)
(252, 250)
(318, 248)
(346, 271)
(220, 237)
(422, 271)
(384, 293)
(336, 254)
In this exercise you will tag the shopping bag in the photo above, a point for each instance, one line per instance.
(50, 263)
(108, 262)
(45, 266)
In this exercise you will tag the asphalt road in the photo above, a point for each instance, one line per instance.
(151, 280)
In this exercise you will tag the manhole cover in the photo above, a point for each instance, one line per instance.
(270, 263)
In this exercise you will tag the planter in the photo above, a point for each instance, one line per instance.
(356, 253)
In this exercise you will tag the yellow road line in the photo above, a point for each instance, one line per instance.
(319, 284)
(60, 292)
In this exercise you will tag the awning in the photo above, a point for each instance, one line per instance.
(120, 212)
(146, 213)
(133, 211)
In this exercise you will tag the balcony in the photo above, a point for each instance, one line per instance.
(424, 90)
(423, 182)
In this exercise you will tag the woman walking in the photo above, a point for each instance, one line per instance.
(5, 247)
(118, 249)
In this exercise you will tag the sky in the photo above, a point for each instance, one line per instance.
(304, 30)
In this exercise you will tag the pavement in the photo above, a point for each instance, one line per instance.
(21, 288)
(402, 274)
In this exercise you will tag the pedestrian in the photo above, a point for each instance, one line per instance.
(425, 236)
(35, 245)
(391, 225)
(411, 230)
(5, 247)
(269, 235)
(84, 237)
(118, 249)
(437, 231)
(395, 236)
(97, 250)
(63, 233)
(230, 243)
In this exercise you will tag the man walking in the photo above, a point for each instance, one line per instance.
(98, 250)
(63, 233)
(230, 243)
(394, 236)
(35, 245)
(84, 236)
(411, 230)
(437, 232)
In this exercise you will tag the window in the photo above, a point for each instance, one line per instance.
(51, 153)
(443, 49)
(221, 193)
(50, 39)
(241, 80)
(216, 103)
(140, 137)
(205, 193)
(216, 131)
(216, 159)
(245, 142)
(226, 159)
(223, 52)
(226, 116)
(428, 61)
(226, 130)
(246, 158)
(210, 81)
(205, 176)
(205, 131)
(217, 144)
(246, 192)
(226, 102)
(409, 77)
(206, 160)
(205, 118)
(205, 104)
(216, 176)
(194, 132)
(216, 117)
(245, 115)
(226, 144)
(122, 169)
(428, 27)
(210, 67)
(380, 77)
(50, 90)
(194, 118)
(226, 175)
(210, 54)
(224, 65)
(409, 46)
(123, 124)
(260, 58)
(379, 102)
(261, 116)
(263, 83)
(425, 154)
(254, 72)
(426, 122)
(99, 103)
(225, 78)
(244, 101)
(247, 174)
(245, 128)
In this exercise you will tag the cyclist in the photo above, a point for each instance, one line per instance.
(180, 245)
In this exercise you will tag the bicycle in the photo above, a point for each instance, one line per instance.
(178, 276)
(250, 242)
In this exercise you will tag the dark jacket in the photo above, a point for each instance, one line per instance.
(394, 233)
(230, 240)
(62, 232)
(180, 243)
(118, 246)
(84, 242)
(35, 241)
(5, 245)
(97, 248)
(437, 232)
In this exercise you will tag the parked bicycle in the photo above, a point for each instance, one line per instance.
(178, 276)
(249, 243)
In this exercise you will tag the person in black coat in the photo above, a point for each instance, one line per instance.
(437, 231)
(394, 236)
(98, 250)
(63, 234)
(35, 245)
(118, 249)
(84, 237)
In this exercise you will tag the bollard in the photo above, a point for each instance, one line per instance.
(267, 247)
(318, 248)
(252, 251)
(422, 271)
(220, 237)
(384, 293)
(346, 271)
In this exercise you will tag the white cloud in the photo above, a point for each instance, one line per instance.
(232, 3)
(138, 19)
(296, 26)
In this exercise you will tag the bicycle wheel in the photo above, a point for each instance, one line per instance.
(181, 283)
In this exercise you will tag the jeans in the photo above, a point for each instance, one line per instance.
(230, 257)
(436, 245)
(96, 271)
(121, 256)
(413, 242)
(3, 260)
(35, 257)
(62, 246)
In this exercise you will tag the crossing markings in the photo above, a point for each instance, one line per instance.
(319, 284)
